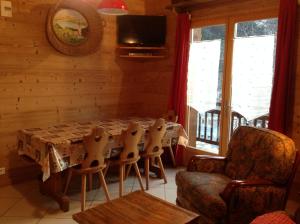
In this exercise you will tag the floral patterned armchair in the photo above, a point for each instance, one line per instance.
(254, 178)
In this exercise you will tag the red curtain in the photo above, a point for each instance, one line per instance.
(178, 98)
(281, 109)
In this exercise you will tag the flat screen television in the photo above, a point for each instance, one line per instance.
(137, 30)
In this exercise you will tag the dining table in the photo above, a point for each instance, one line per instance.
(59, 147)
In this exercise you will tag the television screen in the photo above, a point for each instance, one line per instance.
(139, 30)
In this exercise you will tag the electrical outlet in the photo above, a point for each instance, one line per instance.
(2, 171)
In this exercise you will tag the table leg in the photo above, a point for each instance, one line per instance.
(53, 187)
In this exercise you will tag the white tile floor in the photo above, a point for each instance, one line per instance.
(23, 204)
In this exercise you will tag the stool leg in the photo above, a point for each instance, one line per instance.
(162, 169)
(137, 171)
(83, 191)
(90, 176)
(147, 172)
(128, 170)
(106, 168)
(152, 161)
(103, 183)
(124, 173)
(121, 180)
(68, 180)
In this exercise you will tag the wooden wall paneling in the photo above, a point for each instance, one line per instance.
(41, 87)
(296, 124)
(236, 8)
(296, 120)
(181, 6)
(157, 82)
(18, 175)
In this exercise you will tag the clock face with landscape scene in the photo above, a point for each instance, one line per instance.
(70, 27)
(74, 27)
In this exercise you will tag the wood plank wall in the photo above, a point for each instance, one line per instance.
(296, 121)
(160, 72)
(41, 87)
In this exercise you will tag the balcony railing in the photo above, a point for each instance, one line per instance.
(208, 127)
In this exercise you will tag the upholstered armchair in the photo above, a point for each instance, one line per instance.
(254, 178)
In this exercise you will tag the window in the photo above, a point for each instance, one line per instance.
(230, 78)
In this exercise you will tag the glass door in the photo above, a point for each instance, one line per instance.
(230, 78)
(254, 50)
(205, 81)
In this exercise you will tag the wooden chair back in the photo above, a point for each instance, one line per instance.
(96, 147)
(131, 137)
(155, 136)
(171, 116)
(261, 121)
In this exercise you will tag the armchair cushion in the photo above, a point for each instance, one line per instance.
(260, 154)
(208, 164)
(252, 180)
(193, 187)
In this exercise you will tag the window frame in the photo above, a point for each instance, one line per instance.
(229, 22)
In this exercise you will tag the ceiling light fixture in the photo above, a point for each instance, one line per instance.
(112, 7)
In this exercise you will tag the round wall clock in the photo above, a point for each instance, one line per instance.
(74, 27)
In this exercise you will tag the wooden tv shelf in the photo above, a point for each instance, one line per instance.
(142, 52)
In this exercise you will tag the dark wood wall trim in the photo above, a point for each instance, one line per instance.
(234, 8)
(191, 5)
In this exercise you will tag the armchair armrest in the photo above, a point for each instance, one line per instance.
(233, 185)
(208, 164)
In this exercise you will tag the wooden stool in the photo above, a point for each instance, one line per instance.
(95, 146)
(167, 143)
(153, 148)
(130, 154)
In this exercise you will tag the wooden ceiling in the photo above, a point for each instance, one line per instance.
(189, 5)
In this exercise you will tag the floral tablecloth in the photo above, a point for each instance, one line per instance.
(58, 147)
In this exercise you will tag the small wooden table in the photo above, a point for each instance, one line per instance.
(137, 207)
